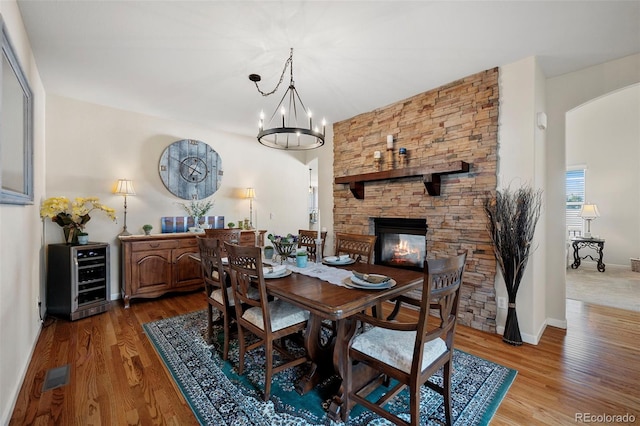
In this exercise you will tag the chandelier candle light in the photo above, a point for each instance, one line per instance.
(289, 131)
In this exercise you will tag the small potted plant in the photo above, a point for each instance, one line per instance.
(301, 259)
(231, 225)
(147, 229)
(268, 252)
(197, 209)
(83, 238)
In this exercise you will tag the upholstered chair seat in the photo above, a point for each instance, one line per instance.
(268, 320)
(408, 352)
(217, 295)
(283, 315)
(395, 347)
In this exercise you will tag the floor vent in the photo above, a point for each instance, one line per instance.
(56, 377)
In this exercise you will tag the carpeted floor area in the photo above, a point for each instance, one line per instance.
(219, 396)
(617, 286)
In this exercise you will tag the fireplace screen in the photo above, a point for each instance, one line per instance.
(401, 242)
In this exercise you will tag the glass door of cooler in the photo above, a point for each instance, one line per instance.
(91, 276)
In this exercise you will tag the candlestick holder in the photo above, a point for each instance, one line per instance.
(318, 250)
(402, 153)
(390, 157)
(378, 163)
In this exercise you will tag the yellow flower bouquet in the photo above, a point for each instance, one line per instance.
(72, 216)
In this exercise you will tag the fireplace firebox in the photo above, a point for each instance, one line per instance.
(401, 242)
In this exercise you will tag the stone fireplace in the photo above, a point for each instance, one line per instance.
(457, 122)
(401, 242)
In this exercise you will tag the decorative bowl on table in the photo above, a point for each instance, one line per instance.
(285, 249)
(285, 246)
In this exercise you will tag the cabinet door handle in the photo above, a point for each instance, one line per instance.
(154, 245)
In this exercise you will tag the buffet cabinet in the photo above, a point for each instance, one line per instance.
(153, 265)
(157, 264)
(248, 238)
(77, 280)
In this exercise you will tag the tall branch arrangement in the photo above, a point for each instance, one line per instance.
(512, 219)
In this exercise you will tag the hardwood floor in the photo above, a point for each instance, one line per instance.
(117, 378)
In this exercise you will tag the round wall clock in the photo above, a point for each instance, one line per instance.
(190, 169)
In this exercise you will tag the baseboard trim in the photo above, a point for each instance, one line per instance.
(532, 339)
(553, 322)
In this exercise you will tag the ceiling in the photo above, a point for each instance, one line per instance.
(190, 60)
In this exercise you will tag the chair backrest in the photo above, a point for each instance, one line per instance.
(245, 264)
(211, 266)
(440, 291)
(357, 246)
(307, 239)
(229, 235)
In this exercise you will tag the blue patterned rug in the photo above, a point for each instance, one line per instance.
(219, 396)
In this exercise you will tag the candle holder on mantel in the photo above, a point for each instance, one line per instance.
(402, 152)
(390, 158)
(377, 160)
(390, 151)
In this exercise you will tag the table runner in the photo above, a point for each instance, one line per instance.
(321, 271)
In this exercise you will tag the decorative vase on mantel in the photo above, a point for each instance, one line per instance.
(70, 234)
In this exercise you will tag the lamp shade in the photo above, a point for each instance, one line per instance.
(125, 187)
(251, 193)
(589, 211)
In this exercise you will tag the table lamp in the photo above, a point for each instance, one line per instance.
(588, 213)
(124, 188)
(251, 194)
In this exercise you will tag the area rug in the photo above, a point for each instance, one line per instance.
(617, 287)
(219, 396)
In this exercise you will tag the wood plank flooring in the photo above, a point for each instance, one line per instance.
(118, 379)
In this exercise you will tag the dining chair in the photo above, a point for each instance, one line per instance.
(358, 246)
(307, 239)
(410, 353)
(230, 235)
(217, 289)
(268, 320)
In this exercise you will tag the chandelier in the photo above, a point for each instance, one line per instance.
(291, 124)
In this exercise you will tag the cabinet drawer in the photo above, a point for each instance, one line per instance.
(247, 239)
(153, 245)
(188, 242)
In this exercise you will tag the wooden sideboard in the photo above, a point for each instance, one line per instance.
(153, 265)
(248, 238)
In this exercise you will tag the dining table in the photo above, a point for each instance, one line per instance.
(336, 302)
(320, 289)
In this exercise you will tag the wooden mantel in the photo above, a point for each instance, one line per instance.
(430, 176)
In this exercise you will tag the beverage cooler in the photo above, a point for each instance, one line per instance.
(77, 280)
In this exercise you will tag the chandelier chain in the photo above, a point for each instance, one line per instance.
(288, 63)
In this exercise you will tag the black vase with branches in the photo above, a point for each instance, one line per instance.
(512, 218)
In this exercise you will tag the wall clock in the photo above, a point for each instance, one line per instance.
(190, 169)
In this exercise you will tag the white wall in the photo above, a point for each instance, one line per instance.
(20, 242)
(90, 146)
(564, 93)
(604, 135)
(521, 151)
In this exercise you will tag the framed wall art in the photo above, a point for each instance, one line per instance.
(16, 128)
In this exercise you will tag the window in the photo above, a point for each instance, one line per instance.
(575, 198)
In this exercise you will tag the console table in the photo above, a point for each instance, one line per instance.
(152, 265)
(596, 244)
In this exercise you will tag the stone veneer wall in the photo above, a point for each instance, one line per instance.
(458, 121)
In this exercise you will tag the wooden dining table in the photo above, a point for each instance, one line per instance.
(327, 301)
